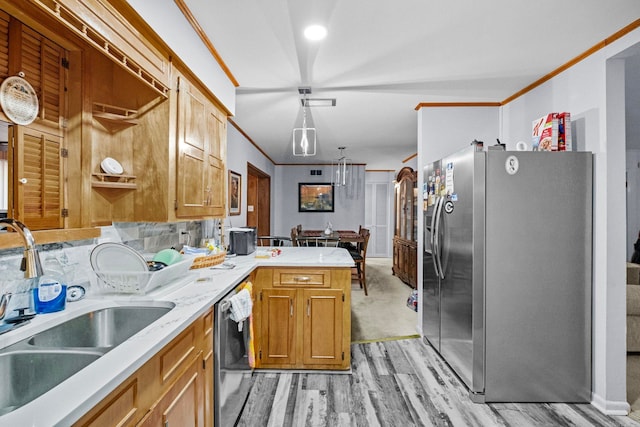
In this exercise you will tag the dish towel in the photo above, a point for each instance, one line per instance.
(241, 308)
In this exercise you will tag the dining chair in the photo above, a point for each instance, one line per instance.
(274, 241)
(294, 237)
(359, 257)
(333, 242)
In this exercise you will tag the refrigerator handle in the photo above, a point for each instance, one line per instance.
(436, 237)
(432, 238)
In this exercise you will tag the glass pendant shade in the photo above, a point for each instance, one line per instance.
(304, 141)
(341, 171)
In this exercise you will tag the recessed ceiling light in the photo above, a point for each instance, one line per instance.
(315, 32)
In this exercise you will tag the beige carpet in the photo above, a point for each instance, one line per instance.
(383, 314)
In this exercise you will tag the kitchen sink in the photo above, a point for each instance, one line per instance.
(104, 328)
(29, 374)
(33, 366)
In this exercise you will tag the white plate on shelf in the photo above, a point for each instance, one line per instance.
(116, 257)
(111, 166)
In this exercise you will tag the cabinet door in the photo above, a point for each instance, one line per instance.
(278, 344)
(182, 405)
(191, 191)
(322, 326)
(37, 178)
(215, 189)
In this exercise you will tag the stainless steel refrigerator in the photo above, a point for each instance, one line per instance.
(507, 272)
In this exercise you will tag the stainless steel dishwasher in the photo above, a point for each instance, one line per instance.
(232, 372)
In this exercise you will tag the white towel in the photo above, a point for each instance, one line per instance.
(241, 306)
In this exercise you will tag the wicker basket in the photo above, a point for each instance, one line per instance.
(208, 260)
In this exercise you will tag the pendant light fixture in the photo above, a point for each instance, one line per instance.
(304, 138)
(341, 170)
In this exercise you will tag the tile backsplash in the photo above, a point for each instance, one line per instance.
(74, 256)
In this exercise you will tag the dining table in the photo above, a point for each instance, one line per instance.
(344, 235)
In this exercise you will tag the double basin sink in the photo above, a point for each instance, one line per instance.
(35, 365)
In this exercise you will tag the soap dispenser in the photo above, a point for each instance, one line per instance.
(50, 293)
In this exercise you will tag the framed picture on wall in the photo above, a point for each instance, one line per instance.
(235, 192)
(315, 197)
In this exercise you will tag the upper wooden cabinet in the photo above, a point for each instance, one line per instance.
(103, 27)
(107, 89)
(201, 154)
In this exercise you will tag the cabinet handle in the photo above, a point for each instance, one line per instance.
(308, 307)
(302, 279)
(291, 308)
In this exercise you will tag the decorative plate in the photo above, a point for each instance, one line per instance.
(111, 166)
(18, 100)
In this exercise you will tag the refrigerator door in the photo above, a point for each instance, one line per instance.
(455, 250)
(430, 282)
(538, 276)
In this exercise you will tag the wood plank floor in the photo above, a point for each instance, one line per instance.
(396, 383)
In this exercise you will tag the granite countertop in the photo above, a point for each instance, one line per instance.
(192, 295)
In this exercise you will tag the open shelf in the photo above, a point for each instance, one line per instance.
(105, 180)
(113, 117)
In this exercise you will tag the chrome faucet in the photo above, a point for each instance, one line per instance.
(31, 259)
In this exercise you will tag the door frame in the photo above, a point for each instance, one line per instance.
(258, 207)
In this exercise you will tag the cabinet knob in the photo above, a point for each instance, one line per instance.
(23, 180)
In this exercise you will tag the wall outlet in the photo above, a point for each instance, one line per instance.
(184, 237)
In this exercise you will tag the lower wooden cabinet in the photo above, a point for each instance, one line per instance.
(174, 388)
(183, 403)
(302, 318)
(405, 261)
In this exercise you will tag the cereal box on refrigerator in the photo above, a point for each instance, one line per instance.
(564, 132)
(545, 133)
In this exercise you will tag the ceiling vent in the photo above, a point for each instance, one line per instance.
(318, 102)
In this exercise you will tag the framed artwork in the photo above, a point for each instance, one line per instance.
(235, 192)
(315, 197)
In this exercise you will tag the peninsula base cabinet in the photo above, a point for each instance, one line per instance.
(173, 389)
(302, 318)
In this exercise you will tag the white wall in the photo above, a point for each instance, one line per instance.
(348, 211)
(450, 129)
(240, 152)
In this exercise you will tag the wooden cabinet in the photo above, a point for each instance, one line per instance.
(201, 154)
(174, 388)
(405, 262)
(302, 318)
(107, 88)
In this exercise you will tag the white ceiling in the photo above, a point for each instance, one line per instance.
(382, 58)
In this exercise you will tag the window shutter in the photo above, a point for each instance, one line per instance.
(42, 65)
(4, 45)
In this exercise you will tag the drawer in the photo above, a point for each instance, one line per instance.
(302, 277)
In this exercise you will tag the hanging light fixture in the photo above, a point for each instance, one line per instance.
(341, 170)
(304, 138)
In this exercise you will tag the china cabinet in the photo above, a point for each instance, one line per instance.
(405, 257)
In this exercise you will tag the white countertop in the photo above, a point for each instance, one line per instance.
(192, 295)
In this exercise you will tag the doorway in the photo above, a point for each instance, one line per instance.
(258, 200)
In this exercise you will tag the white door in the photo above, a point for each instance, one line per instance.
(377, 218)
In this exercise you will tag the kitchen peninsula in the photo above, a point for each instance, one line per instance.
(194, 297)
